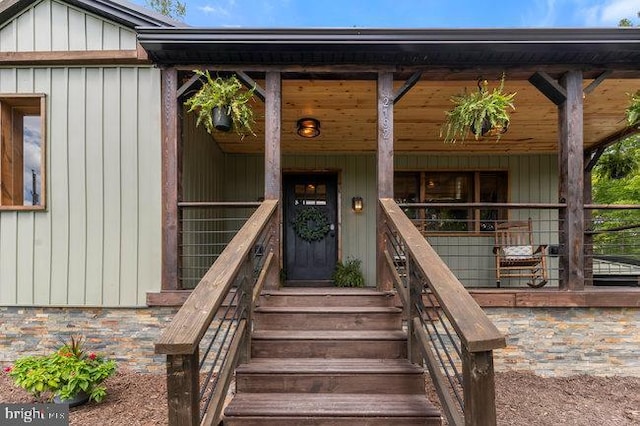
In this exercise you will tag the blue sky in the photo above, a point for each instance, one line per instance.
(408, 13)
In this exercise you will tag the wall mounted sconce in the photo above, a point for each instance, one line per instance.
(308, 127)
(357, 204)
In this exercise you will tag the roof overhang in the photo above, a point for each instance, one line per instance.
(610, 48)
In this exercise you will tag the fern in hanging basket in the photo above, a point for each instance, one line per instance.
(633, 110)
(226, 94)
(483, 112)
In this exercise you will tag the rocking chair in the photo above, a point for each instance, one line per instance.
(516, 255)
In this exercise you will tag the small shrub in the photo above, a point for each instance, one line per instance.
(348, 274)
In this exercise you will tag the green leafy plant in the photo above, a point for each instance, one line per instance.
(633, 110)
(348, 274)
(225, 94)
(64, 373)
(482, 111)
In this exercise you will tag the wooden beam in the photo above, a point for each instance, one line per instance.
(252, 84)
(384, 172)
(479, 388)
(548, 87)
(273, 123)
(596, 82)
(186, 86)
(74, 57)
(407, 86)
(170, 180)
(183, 389)
(617, 136)
(571, 184)
(592, 158)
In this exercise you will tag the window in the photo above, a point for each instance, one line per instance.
(448, 189)
(22, 148)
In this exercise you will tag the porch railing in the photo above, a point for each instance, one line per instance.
(463, 236)
(449, 332)
(612, 245)
(211, 331)
(206, 228)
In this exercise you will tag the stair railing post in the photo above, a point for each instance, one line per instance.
(479, 388)
(415, 300)
(183, 389)
(246, 307)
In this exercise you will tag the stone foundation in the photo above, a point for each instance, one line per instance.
(546, 341)
(126, 335)
(569, 341)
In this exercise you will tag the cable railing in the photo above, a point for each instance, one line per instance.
(211, 333)
(206, 228)
(447, 330)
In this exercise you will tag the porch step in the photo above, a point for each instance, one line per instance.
(327, 318)
(327, 297)
(382, 344)
(313, 375)
(288, 409)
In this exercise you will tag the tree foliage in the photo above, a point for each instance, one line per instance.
(170, 8)
(612, 187)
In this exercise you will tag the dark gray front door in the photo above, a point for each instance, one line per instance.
(310, 226)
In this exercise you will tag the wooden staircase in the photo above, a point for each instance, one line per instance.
(329, 356)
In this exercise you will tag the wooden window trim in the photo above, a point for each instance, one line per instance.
(25, 104)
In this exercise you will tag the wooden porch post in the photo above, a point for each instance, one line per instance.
(272, 164)
(171, 180)
(384, 172)
(588, 239)
(571, 168)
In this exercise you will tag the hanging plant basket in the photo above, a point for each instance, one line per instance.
(222, 119)
(311, 224)
(633, 110)
(483, 112)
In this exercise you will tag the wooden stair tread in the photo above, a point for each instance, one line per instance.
(327, 309)
(329, 366)
(329, 335)
(334, 405)
(326, 291)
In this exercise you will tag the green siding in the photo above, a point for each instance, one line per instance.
(98, 242)
(56, 26)
(532, 178)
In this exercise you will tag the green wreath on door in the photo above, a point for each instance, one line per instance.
(311, 224)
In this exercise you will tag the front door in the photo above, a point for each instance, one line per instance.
(310, 227)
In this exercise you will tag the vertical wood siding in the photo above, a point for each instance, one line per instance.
(98, 242)
(532, 178)
(33, 30)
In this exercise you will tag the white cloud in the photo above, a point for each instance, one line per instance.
(223, 8)
(609, 12)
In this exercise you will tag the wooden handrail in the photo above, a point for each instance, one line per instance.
(477, 333)
(192, 320)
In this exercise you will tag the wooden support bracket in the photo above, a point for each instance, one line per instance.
(186, 86)
(549, 87)
(407, 86)
(592, 158)
(252, 84)
(596, 82)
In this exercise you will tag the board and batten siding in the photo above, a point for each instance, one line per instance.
(532, 179)
(56, 26)
(99, 241)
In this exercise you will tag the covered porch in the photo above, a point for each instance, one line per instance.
(380, 138)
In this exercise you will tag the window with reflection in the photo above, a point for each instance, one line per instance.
(21, 151)
(445, 189)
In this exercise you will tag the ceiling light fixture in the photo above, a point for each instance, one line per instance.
(308, 127)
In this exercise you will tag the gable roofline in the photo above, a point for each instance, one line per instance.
(123, 12)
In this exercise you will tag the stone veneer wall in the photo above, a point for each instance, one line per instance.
(546, 341)
(569, 341)
(124, 334)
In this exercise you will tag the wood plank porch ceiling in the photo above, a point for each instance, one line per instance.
(347, 113)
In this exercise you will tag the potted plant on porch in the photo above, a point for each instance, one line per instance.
(484, 112)
(348, 274)
(221, 104)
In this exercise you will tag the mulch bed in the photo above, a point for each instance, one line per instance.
(523, 399)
